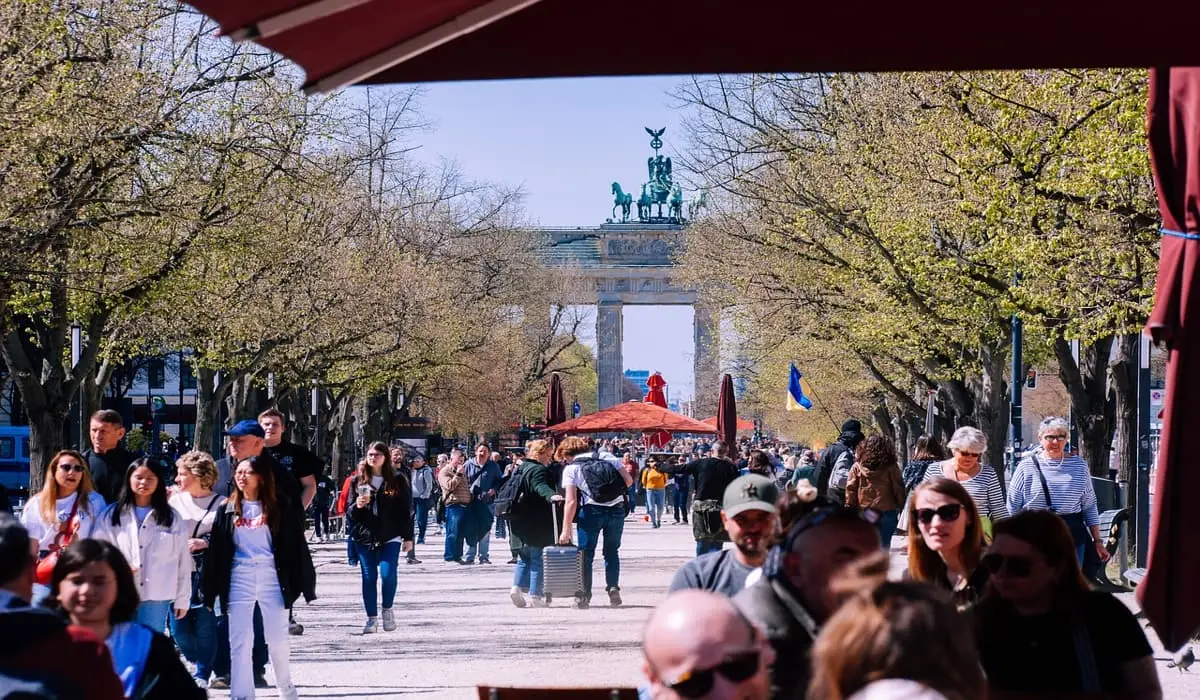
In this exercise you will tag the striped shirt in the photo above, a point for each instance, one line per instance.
(1070, 483)
(984, 489)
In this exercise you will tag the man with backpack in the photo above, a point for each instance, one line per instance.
(595, 499)
(833, 466)
(712, 476)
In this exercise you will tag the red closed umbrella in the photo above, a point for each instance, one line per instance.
(655, 395)
(556, 408)
(634, 417)
(1168, 591)
(727, 412)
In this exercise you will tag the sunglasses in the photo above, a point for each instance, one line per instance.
(1012, 566)
(964, 453)
(948, 513)
(736, 667)
(1054, 437)
(77, 468)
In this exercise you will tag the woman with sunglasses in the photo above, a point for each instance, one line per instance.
(151, 535)
(63, 511)
(1041, 629)
(968, 445)
(381, 525)
(655, 484)
(948, 544)
(1051, 479)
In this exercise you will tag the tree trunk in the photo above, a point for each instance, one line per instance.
(378, 417)
(339, 426)
(296, 407)
(1124, 368)
(45, 439)
(1087, 383)
(991, 404)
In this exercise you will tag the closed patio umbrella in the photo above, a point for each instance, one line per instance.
(1168, 591)
(727, 412)
(556, 408)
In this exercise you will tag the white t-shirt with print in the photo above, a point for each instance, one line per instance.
(251, 535)
(45, 533)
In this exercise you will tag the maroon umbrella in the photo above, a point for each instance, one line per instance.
(556, 409)
(1168, 592)
(727, 412)
(344, 42)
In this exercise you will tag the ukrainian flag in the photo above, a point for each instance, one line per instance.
(796, 400)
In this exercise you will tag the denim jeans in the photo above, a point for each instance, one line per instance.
(483, 547)
(595, 521)
(706, 547)
(680, 503)
(376, 564)
(528, 573)
(196, 636)
(454, 535)
(656, 501)
(320, 520)
(887, 527)
(155, 613)
(259, 654)
(351, 551)
(501, 532)
(421, 507)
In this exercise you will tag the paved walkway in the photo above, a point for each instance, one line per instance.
(458, 628)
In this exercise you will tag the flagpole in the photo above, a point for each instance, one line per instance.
(823, 408)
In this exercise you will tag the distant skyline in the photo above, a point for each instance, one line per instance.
(564, 142)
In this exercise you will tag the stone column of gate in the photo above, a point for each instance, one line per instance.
(609, 366)
(707, 359)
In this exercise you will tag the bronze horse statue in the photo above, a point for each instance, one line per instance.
(622, 200)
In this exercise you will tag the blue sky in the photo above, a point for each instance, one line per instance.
(563, 142)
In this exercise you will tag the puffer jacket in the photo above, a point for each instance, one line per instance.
(880, 489)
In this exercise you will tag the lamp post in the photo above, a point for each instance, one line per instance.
(78, 425)
(1142, 526)
(1016, 385)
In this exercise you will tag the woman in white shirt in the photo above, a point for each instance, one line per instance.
(150, 535)
(196, 505)
(63, 511)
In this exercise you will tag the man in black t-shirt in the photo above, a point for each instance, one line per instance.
(713, 475)
(107, 460)
(297, 461)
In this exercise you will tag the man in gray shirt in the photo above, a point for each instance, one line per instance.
(750, 516)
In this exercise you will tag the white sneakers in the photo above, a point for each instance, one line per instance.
(389, 620)
(370, 627)
(518, 598)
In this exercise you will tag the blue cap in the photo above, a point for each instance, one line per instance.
(244, 428)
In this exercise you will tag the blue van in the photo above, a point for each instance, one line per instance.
(14, 457)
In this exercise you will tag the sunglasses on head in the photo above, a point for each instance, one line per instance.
(64, 467)
(737, 667)
(948, 513)
(1012, 566)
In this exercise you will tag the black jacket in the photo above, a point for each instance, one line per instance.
(386, 518)
(293, 562)
(534, 528)
(165, 677)
(712, 474)
(763, 604)
(108, 470)
(847, 441)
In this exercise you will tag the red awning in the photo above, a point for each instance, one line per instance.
(343, 42)
(743, 425)
(634, 417)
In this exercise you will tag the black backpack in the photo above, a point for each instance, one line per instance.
(510, 499)
(602, 479)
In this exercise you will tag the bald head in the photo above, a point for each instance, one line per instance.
(695, 631)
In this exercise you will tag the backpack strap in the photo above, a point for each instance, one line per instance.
(1045, 487)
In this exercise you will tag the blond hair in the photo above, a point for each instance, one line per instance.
(201, 466)
(49, 494)
(533, 448)
(571, 446)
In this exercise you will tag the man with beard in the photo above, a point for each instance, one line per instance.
(751, 518)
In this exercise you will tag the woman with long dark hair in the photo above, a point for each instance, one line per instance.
(150, 535)
(1043, 630)
(63, 511)
(947, 544)
(254, 557)
(927, 451)
(95, 589)
(381, 525)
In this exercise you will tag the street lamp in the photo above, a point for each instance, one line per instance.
(77, 420)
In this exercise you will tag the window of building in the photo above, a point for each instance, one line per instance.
(187, 378)
(8, 448)
(156, 372)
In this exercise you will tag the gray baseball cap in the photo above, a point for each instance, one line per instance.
(750, 492)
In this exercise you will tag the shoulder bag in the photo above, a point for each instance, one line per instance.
(66, 533)
(198, 558)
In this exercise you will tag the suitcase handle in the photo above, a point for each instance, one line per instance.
(554, 519)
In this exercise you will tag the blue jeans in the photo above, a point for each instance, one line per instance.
(196, 636)
(631, 495)
(421, 507)
(351, 551)
(680, 503)
(483, 546)
(375, 563)
(656, 503)
(888, 520)
(154, 614)
(259, 653)
(593, 522)
(706, 547)
(528, 574)
(454, 535)
(501, 531)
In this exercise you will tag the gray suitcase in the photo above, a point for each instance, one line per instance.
(562, 567)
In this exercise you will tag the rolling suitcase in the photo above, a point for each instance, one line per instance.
(562, 567)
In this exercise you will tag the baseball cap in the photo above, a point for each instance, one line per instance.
(750, 492)
(244, 428)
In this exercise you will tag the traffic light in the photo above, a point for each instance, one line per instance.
(1031, 379)
(148, 428)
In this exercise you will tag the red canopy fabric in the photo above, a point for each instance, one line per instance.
(727, 412)
(343, 42)
(655, 395)
(633, 416)
(743, 425)
(556, 408)
(1167, 593)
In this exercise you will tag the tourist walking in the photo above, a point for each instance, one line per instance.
(874, 483)
(948, 541)
(320, 507)
(968, 445)
(530, 527)
(381, 524)
(679, 498)
(456, 493)
(655, 484)
(63, 511)
(806, 469)
(343, 509)
(96, 590)
(1043, 632)
(712, 475)
(833, 466)
(107, 460)
(255, 558)
(595, 501)
(150, 536)
(1051, 479)
(483, 478)
(422, 495)
(927, 451)
(196, 506)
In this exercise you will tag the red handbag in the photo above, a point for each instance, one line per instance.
(66, 531)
